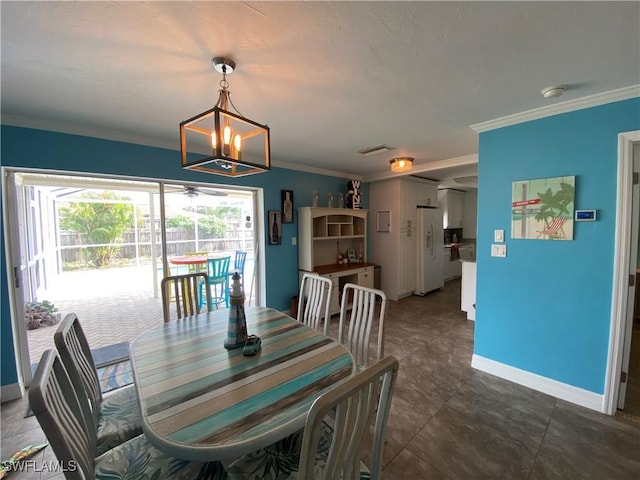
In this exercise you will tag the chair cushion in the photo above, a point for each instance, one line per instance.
(119, 418)
(280, 460)
(138, 459)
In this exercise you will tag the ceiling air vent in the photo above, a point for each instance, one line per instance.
(376, 149)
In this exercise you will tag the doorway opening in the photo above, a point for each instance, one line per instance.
(93, 246)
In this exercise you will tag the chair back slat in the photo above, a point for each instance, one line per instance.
(314, 302)
(75, 352)
(185, 290)
(359, 315)
(239, 261)
(57, 408)
(361, 405)
(218, 268)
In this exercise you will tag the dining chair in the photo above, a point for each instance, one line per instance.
(360, 411)
(67, 426)
(313, 302)
(192, 268)
(115, 416)
(187, 290)
(218, 273)
(238, 263)
(355, 327)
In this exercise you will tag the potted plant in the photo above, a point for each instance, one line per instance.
(40, 314)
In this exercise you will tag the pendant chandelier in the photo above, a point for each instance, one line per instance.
(233, 145)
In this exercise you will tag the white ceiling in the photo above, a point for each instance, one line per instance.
(329, 78)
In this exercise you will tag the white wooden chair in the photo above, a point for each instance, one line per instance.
(360, 403)
(115, 416)
(186, 291)
(359, 312)
(313, 302)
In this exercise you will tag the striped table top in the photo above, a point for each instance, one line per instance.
(199, 401)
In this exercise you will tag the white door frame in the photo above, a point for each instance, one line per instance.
(15, 261)
(621, 269)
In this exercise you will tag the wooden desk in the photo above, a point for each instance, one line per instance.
(199, 401)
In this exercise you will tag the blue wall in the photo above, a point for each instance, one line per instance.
(546, 307)
(29, 148)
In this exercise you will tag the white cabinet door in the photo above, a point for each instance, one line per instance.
(426, 194)
(451, 203)
(407, 204)
(365, 279)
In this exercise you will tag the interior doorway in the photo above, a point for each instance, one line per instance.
(109, 273)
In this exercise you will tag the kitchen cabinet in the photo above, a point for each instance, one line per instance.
(451, 202)
(468, 293)
(394, 249)
(323, 233)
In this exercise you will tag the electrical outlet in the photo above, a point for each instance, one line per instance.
(498, 250)
(498, 235)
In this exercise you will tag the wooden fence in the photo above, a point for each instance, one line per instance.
(179, 242)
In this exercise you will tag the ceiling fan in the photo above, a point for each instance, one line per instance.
(193, 192)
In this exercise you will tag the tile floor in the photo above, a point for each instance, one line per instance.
(449, 421)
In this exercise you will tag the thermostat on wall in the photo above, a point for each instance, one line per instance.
(585, 216)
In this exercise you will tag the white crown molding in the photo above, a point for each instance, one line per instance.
(86, 131)
(427, 167)
(117, 136)
(563, 391)
(316, 170)
(564, 107)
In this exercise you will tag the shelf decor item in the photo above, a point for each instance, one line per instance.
(275, 227)
(353, 194)
(287, 206)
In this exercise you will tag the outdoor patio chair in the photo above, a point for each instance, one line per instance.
(187, 291)
(218, 272)
(195, 268)
(360, 411)
(238, 263)
(67, 425)
(115, 416)
(355, 327)
(313, 302)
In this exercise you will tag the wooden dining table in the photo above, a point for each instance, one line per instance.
(200, 401)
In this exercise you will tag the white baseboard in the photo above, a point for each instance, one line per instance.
(560, 390)
(10, 392)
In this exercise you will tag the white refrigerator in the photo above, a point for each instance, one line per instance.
(430, 251)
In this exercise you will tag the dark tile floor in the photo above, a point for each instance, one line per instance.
(449, 421)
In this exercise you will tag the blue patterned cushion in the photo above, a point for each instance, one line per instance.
(119, 418)
(138, 459)
(280, 461)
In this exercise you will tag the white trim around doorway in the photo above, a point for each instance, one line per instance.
(620, 269)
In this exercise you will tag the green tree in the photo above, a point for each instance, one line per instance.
(100, 220)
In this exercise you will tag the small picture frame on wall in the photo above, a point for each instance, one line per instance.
(275, 227)
(287, 206)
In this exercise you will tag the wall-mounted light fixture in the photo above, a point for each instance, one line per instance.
(232, 144)
(401, 164)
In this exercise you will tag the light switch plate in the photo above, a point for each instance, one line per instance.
(498, 235)
(294, 241)
(498, 250)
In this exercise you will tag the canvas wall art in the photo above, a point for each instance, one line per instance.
(542, 209)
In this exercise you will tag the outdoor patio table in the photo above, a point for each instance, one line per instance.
(198, 261)
(199, 401)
